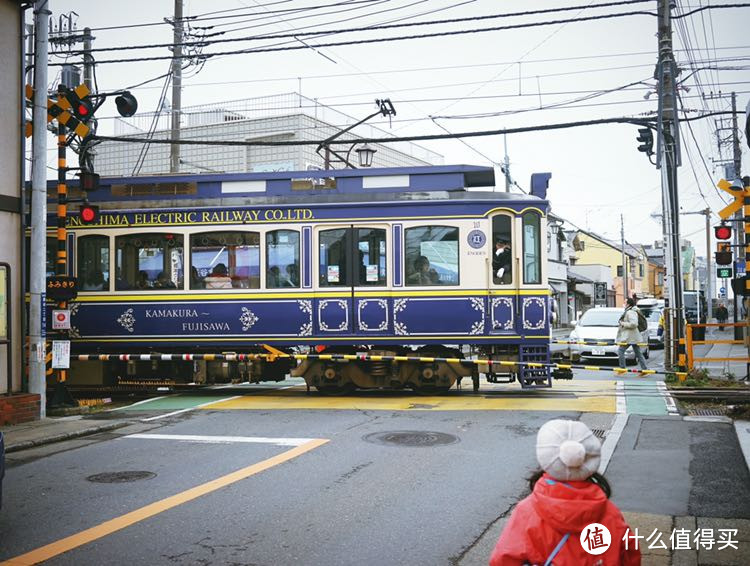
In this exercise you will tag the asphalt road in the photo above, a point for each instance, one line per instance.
(351, 499)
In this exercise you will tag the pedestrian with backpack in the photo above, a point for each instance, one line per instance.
(560, 523)
(630, 333)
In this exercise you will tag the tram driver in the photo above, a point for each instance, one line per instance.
(502, 262)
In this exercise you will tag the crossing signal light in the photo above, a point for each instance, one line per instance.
(81, 104)
(646, 139)
(89, 214)
(126, 104)
(723, 254)
(89, 181)
(723, 232)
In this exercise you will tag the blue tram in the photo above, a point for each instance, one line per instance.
(384, 261)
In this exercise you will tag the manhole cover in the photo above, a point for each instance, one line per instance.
(411, 438)
(121, 477)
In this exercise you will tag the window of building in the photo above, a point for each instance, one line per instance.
(282, 259)
(532, 257)
(225, 260)
(333, 266)
(93, 263)
(371, 256)
(149, 261)
(619, 271)
(431, 255)
(640, 270)
(502, 251)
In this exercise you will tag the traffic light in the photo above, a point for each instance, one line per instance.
(126, 104)
(89, 214)
(723, 254)
(722, 232)
(646, 139)
(89, 181)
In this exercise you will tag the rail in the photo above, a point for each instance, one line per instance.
(234, 357)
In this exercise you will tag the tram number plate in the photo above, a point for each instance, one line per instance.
(597, 351)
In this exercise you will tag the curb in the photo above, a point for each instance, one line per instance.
(17, 447)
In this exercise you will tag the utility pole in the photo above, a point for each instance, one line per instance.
(88, 60)
(38, 256)
(709, 274)
(668, 159)
(624, 263)
(174, 152)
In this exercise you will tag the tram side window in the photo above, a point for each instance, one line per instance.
(502, 254)
(282, 259)
(532, 256)
(93, 263)
(149, 261)
(333, 263)
(371, 257)
(225, 260)
(431, 255)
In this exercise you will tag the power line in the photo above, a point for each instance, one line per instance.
(382, 39)
(368, 28)
(525, 129)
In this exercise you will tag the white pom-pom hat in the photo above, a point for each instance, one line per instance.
(568, 450)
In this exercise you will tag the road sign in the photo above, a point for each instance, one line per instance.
(61, 319)
(62, 287)
(60, 354)
(738, 193)
(724, 273)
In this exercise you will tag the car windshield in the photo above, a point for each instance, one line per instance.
(651, 314)
(596, 317)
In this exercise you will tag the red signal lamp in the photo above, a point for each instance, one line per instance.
(723, 232)
(89, 214)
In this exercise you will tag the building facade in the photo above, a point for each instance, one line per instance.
(11, 181)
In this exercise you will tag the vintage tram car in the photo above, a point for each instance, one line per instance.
(418, 261)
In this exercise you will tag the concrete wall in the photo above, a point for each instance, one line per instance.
(11, 134)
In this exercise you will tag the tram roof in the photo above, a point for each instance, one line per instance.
(338, 182)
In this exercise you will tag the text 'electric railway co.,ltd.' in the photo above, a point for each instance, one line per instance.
(382, 262)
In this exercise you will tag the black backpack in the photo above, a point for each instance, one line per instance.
(642, 322)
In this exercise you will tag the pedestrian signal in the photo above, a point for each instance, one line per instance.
(723, 254)
(723, 232)
(724, 272)
(89, 214)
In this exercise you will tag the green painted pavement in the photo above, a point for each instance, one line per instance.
(644, 399)
(174, 403)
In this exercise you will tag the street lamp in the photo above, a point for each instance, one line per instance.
(365, 153)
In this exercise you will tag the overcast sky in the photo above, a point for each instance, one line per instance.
(478, 81)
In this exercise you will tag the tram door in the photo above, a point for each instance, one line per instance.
(351, 270)
(502, 277)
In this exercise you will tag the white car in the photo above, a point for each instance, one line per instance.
(597, 329)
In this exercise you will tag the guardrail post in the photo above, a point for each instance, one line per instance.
(689, 347)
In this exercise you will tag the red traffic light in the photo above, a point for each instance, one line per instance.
(89, 214)
(723, 232)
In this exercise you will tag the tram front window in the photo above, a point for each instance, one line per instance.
(149, 261)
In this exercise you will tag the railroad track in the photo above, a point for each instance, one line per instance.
(715, 394)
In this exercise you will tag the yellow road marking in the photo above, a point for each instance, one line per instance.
(589, 396)
(108, 527)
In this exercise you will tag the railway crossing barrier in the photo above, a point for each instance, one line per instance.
(363, 357)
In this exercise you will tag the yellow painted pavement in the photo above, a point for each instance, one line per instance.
(586, 396)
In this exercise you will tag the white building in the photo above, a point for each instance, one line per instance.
(289, 117)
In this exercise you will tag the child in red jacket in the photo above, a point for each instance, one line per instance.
(560, 523)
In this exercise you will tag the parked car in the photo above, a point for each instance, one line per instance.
(2, 467)
(598, 328)
(652, 309)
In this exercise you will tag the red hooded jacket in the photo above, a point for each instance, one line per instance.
(554, 508)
